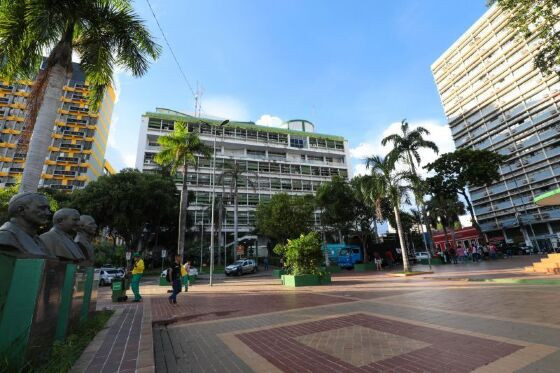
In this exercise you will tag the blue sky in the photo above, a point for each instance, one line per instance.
(354, 68)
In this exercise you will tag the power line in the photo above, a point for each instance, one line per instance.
(171, 50)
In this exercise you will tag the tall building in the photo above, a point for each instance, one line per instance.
(79, 138)
(494, 98)
(293, 159)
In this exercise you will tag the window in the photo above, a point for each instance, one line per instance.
(296, 142)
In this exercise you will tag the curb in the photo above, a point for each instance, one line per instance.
(145, 362)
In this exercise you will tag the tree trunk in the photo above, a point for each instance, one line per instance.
(41, 137)
(431, 245)
(183, 212)
(446, 236)
(475, 224)
(406, 267)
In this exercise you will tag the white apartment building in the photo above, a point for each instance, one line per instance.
(494, 98)
(292, 159)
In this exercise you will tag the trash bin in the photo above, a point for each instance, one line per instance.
(119, 287)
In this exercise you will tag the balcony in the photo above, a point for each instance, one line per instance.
(71, 147)
(74, 133)
(68, 159)
(64, 173)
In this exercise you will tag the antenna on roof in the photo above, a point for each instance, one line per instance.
(197, 100)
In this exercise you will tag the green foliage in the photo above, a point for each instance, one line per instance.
(128, 202)
(5, 195)
(537, 19)
(338, 204)
(106, 252)
(104, 34)
(285, 216)
(302, 255)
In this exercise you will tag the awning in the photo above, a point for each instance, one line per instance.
(551, 198)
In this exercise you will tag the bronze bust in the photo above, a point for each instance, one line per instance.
(18, 236)
(86, 232)
(59, 239)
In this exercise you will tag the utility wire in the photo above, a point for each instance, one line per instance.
(171, 50)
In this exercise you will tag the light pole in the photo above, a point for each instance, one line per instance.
(201, 238)
(212, 205)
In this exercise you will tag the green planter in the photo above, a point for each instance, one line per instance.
(306, 280)
(330, 269)
(435, 261)
(362, 267)
(277, 273)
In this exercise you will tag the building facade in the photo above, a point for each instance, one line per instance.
(79, 139)
(494, 98)
(292, 159)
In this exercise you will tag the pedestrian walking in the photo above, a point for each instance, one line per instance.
(174, 276)
(185, 274)
(378, 261)
(389, 258)
(137, 272)
(492, 251)
(461, 254)
(265, 262)
(452, 256)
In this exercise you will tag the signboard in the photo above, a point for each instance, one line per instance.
(117, 286)
(128, 255)
(163, 253)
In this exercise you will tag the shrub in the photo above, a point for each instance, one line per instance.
(302, 255)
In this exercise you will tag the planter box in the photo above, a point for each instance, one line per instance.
(436, 261)
(362, 267)
(305, 280)
(277, 273)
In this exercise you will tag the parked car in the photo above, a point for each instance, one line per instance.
(120, 271)
(106, 276)
(240, 267)
(528, 250)
(421, 255)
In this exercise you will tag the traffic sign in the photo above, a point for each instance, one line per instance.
(163, 253)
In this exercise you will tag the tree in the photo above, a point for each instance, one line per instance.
(178, 150)
(103, 33)
(285, 216)
(337, 202)
(390, 185)
(236, 176)
(302, 255)
(127, 203)
(445, 207)
(466, 168)
(537, 19)
(406, 147)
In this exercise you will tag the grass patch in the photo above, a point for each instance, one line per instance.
(65, 354)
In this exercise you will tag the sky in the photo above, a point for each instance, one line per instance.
(354, 68)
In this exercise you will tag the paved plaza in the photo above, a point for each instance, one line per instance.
(439, 322)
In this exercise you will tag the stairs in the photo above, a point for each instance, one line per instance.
(548, 265)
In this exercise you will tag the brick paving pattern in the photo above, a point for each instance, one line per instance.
(205, 307)
(119, 349)
(422, 349)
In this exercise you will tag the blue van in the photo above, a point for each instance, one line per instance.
(344, 255)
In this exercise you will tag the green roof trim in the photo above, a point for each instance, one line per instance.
(244, 125)
(548, 198)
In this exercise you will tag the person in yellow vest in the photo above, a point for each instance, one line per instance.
(185, 275)
(137, 271)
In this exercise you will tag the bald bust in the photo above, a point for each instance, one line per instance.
(86, 231)
(18, 236)
(59, 240)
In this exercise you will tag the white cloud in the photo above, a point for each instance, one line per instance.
(112, 139)
(439, 133)
(269, 120)
(129, 159)
(225, 107)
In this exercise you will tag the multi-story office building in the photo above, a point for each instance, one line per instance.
(494, 98)
(293, 159)
(79, 138)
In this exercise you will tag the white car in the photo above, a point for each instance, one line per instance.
(422, 255)
(106, 276)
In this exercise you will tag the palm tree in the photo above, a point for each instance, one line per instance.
(179, 150)
(234, 173)
(389, 184)
(446, 208)
(406, 146)
(103, 33)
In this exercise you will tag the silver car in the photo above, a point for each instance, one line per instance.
(107, 275)
(240, 267)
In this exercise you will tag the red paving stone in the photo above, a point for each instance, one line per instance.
(205, 307)
(447, 352)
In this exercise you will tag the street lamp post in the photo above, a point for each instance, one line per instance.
(213, 199)
(201, 238)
